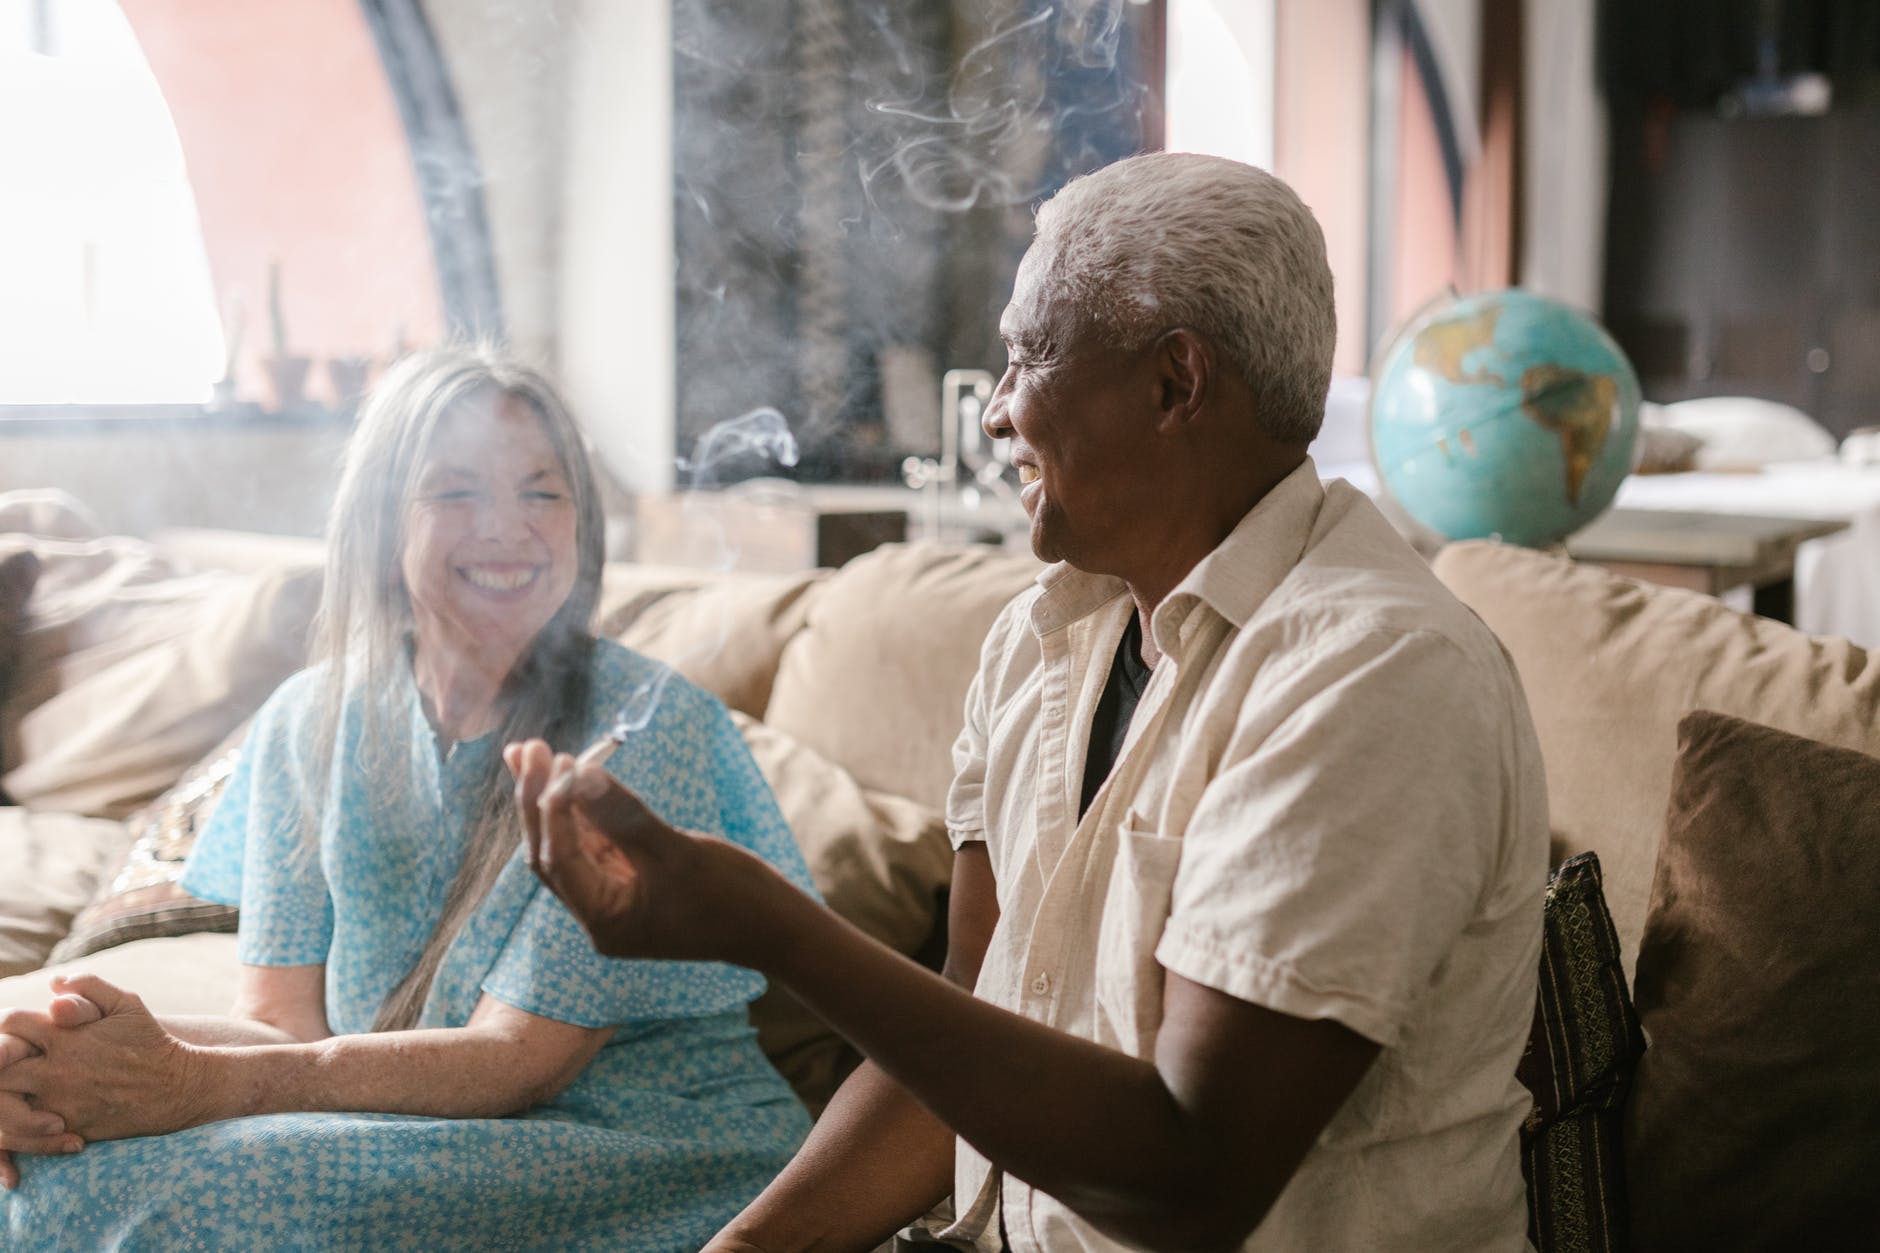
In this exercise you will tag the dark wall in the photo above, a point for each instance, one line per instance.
(1743, 258)
(1743, 251)
(857, 175)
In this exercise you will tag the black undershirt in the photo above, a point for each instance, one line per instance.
(1110, 725)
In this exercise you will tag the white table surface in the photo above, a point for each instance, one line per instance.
(1837, 579)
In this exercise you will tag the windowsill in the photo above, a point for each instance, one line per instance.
(141, 419)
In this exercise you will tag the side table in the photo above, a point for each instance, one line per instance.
(1706, 552)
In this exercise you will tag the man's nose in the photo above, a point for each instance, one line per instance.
(994, 421)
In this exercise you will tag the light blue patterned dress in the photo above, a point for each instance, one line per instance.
(673, 1126)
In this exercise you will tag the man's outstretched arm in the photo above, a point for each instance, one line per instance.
(1187, 1150)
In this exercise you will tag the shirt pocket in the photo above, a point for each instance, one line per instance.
(1135, 910)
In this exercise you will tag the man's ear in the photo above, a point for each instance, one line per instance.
(1185, 372)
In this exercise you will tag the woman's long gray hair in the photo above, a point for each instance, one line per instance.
(363, 629)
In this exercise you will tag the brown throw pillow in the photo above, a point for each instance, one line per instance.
(140, 898)
(1579, 1061)
(1754, 1121)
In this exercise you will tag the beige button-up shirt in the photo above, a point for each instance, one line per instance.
(1330, 803)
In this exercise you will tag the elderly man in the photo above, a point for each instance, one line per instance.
(1250, 818)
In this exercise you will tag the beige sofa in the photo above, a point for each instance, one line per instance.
(140, 658)
(848, 685)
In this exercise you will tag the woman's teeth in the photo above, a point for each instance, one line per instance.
(1029, 474)
(499, 581)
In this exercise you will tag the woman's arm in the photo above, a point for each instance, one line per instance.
(273, 1005)
(127, 1074)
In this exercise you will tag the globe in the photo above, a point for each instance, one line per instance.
(1503, 414)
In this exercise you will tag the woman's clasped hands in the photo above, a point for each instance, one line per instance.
(96, 1065)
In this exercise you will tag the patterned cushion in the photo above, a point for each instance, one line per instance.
(139, 899)
(1580, 1057)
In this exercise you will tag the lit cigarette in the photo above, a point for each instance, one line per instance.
(593, 755)
(597, 752)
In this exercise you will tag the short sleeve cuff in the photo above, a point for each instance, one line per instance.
(962, 836)
(692, 990)
(1193, 954)
(212, 883)
(264, 951)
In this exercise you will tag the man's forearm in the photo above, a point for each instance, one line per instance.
(875, 1161)
(1092, 1126)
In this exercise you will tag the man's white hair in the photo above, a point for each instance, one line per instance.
(1175, 239)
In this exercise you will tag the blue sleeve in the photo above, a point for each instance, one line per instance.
(692, 768)
(255, 851)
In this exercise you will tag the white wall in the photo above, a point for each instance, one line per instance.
(508, 62)
(616, 305)
(1563, 176)
(569, 107)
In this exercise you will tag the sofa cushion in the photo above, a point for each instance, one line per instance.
(1611, 664)
(725, 634)
(125, 723)
(1755, 1119)
(876, 681)
(50, 865)
(1579, 1063)
(175, 975)
(880, 861)
(134, 663)
(139, 897)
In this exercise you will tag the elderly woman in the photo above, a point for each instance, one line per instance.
(425, 1049)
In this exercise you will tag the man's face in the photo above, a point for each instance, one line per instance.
(1081, 418)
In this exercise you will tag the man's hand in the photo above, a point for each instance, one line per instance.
(640, 886)
(102, 1064)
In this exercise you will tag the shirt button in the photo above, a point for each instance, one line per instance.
(1041, 984)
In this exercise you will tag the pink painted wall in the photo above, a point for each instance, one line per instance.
(1321, 130)
(295, 151)
(1425, 247)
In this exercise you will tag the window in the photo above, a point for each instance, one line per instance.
(105, 290)
(1220, 79)
(198, 190)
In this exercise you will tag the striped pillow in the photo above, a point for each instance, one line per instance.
(1578, 1065)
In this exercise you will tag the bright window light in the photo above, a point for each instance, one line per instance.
(1220, 79)
(105, 293)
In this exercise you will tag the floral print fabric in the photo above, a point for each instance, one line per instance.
(676, 1123)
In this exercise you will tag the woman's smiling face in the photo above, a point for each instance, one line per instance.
(489, 553)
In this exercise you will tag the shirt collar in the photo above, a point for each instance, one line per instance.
(1233, 580)
(1237, 577)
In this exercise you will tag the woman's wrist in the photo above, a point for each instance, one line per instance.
(211, 1085)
